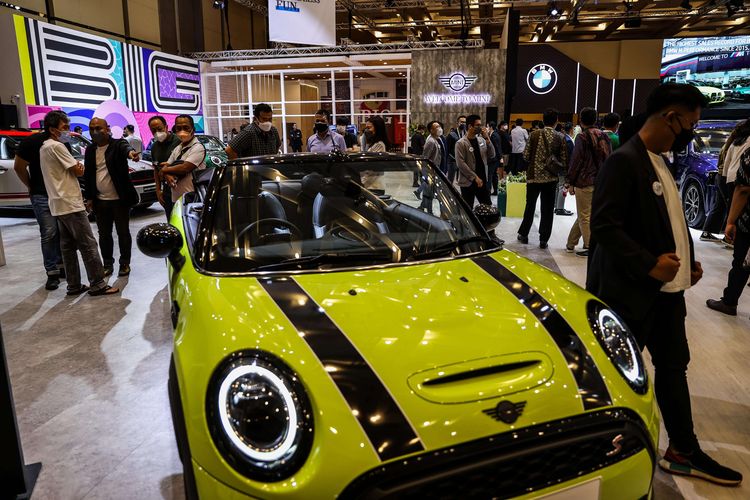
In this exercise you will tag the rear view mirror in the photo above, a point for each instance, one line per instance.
(488, 216)
(159, 240)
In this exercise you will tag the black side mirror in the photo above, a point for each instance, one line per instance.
(488, 216)
(159, 240)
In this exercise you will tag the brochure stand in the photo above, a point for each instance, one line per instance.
(16, 478)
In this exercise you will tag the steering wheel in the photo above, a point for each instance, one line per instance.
(263, 239)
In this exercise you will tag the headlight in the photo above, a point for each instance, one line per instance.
(259, 416)
(619, 344)
(216, 161)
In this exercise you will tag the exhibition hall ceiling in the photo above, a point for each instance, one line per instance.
(370, 21)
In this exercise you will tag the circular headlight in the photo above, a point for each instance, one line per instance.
(259, 416)
(216, 161)
(620, 346)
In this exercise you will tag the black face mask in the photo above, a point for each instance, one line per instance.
(682, 139)
(321, 127)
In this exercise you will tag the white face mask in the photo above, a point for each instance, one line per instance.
(161, 136)
(265, 126)
(439, 132)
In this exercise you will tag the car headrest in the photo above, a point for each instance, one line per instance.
(311, 185)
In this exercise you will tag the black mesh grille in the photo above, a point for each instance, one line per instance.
(510, 464)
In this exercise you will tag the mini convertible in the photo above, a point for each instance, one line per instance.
(334, 337)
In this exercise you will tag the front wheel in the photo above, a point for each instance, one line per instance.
(693, 205)
(180, 433)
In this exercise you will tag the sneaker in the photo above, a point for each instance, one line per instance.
(727, 244)
(108, 270)
(698, 464)
(53, 282)
(416, 193)
(709, 237)
(718, 305)
(523, 239)
(583, 253)
(124, 271)
(543, 245)
(570, 249)
(562, 211)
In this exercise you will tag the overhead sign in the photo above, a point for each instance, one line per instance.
(308, 22)
(541, 79)
(457, 83)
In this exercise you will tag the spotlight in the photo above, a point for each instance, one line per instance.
(686, 5)
(552, 10)
(218, 4)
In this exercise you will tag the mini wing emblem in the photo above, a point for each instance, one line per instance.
(506, 411)
(457, 82)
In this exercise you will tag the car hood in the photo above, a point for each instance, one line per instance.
(140, 165)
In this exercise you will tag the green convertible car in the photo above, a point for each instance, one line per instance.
(335, 337)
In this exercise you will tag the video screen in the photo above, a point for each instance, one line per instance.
(718, 66)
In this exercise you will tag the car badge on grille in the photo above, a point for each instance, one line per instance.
(506, 411)
(616, 445)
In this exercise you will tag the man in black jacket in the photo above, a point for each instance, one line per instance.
(109, 191)
(642, 261)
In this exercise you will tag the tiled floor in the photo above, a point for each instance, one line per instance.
(89, 373)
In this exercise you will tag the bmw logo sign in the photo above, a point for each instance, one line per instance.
(541, 79)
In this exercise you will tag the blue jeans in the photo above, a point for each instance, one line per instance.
(49, 233)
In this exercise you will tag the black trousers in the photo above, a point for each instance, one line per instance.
(117, 213)
(717, 216)
(474, 192)
(662, 332)
(547, 191)
(517, 163)
(738, 276)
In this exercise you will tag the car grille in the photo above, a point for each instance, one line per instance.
(513, 463)
(142, 175)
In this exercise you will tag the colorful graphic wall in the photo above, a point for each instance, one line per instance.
(79, 73)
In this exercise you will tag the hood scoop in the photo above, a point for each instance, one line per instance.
(484, 378)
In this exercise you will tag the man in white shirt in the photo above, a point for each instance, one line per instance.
(61, 171)
(641, 262)
(190, 155)
(519, 136)
(135, 142)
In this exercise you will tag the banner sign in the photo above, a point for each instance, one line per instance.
(66, 68)
(308, 22)
(457, 83)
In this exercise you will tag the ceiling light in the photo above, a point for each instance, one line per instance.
(552, 10)
(218, 4)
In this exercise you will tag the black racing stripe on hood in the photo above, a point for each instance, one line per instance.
(591, 387)
(385, 424)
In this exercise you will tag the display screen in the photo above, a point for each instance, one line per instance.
(718, 66)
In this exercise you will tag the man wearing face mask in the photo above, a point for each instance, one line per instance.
(164, 143)
(295, 139)
(323, 140)
(474, 151)
(61, 171)
(433, 151)
(188, 156)
(109, 192)
(257, 139)
(453, 137)
(350, 139)
(642, 261)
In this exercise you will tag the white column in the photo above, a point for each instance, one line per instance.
(351, 95)
(283, 112)
(333, 97)
(408, 108)
(218, 110)
(250, 95)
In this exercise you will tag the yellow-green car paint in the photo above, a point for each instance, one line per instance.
(404, 320)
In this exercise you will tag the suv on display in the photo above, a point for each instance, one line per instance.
(696, 169)
(14, 194)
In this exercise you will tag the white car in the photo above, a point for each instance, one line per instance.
(14, 194)
(714, 95)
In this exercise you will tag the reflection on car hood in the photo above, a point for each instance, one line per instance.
(140, 165)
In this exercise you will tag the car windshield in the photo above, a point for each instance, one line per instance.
(211, 143)
(327, 215)
(711, 140)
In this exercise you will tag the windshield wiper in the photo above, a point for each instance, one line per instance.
(315, 260)
(450, 245)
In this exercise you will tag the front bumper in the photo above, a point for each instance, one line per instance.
(610, 446)
(146, 193)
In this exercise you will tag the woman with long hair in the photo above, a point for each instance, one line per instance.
(716, 217)
(376, 139)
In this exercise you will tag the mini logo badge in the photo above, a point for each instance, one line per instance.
(541, 79)
(506, 411)
(457, 82)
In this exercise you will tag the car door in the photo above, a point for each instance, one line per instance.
(12, 191)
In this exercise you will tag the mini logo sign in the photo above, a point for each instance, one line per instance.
(506, 411)
(541, 79)
(457, 82)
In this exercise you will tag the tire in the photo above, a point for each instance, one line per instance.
(693, 205)
(180, 433)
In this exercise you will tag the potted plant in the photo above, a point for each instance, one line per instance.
(515, 194)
